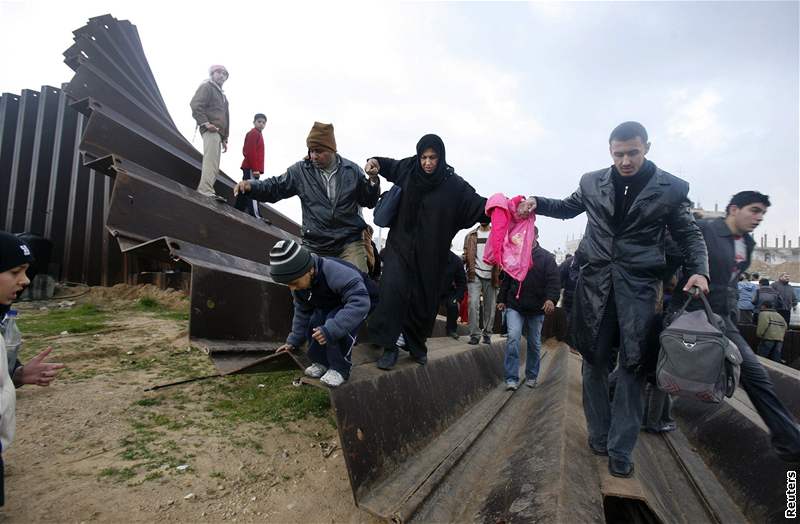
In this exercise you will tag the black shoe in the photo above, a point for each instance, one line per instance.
(619, 468)
(420, 359)
(600, 452)
(473, 341)
(388, 359)
(219, 198)
(453, 334)
(487, 339)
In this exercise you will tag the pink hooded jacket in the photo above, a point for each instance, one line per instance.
(510, 243)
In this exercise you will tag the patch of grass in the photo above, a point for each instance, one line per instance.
(151, 305)
(217, 475)
(148, 303)
(85, 318)
(240, 399)
(158, 419)
(117, 474)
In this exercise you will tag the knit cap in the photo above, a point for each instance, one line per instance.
(217, 67)
(288, 261)
(321, 135)
(13, 252)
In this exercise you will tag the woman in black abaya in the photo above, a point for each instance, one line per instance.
(435, 204)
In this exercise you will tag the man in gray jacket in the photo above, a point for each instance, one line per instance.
(210, 110)
(332, 190)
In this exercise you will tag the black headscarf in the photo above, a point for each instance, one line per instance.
(422, 182)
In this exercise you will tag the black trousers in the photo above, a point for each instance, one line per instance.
(451, 307)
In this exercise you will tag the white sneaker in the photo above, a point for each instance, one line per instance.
(332, 378)
(511, 385)
(315, 370)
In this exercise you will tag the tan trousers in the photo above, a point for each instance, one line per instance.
(356, 254)
(212, 149)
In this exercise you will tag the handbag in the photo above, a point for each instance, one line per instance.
(697, 360)
(387, 207)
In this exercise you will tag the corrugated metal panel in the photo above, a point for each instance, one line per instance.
(46, 190)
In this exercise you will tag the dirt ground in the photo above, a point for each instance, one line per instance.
(95, 446)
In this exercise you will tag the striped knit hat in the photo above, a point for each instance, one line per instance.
(288, 261)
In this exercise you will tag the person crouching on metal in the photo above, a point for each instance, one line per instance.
(332, 298)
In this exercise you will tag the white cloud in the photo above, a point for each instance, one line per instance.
(693, 117)
(553, 9)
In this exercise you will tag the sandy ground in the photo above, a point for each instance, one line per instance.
(95, 446)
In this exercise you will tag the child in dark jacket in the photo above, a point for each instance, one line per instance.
(528, 303)
(332, 298)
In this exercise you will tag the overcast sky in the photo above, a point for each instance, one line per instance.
(524, 95)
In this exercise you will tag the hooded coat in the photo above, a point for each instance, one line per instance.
(626, 256)
(433, 208)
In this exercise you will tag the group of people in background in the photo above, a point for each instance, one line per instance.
(640, 240)
(768, 306)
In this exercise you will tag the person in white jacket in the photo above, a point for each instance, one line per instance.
(15, 257)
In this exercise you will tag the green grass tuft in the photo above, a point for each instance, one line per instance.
(240, 399)
(85, 318)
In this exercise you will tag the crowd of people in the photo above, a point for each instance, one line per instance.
(642, 251)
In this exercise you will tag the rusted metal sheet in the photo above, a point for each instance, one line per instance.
(446, 443)
(145, 205)
(45, 189)
(22, 160)
(114, 88)
(9, 110)
(237, 313)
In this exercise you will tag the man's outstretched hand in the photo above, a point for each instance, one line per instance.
(242, 187)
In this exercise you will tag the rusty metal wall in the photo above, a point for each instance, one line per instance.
(45, 189)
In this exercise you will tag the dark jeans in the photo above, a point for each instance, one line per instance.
(658, 408)
(786, 314)
(451, 306)
(245, 203)
(758, 386)
(335, 354)
(745, 316)
(770, 349)
(612, 424)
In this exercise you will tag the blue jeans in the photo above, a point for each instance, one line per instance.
(770, 349)
(613, 425)
(335, 354)
(515, 321)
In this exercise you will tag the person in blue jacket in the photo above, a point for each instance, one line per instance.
(332, 299)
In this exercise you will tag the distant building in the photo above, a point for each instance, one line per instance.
(699, 212)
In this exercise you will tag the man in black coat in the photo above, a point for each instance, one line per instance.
(332, 190)
(528, 303)
(628, 207)
(730, 249)
(453, 288)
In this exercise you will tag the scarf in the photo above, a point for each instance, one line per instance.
(420, 182)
